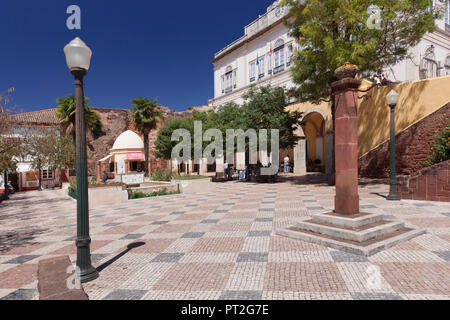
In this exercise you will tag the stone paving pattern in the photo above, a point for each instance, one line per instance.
(222, 245)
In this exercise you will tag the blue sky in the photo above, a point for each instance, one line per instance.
(155, 49)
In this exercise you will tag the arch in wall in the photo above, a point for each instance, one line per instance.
(315, 129)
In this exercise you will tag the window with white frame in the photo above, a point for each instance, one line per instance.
(428, 65)
(288, 55)
(47, 174)
(260, 67)
(447, 65)
(279, 56)
(252, 71)
(269, 63)
(228, 80)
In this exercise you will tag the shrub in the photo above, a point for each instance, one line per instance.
(139, 194)
(440, 148)
(161, 176)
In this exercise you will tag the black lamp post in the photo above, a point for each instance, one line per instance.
(39, 176)
(392, 99)
(78, 57)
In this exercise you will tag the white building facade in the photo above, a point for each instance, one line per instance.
(263, 56)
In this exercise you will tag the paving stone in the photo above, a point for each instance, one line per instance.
(160, 222)
(315, 208)
(375, 296)
(168, 257)
(193, 235)
(253, 257)
(341, 256)
(97, 257)
(424, 204)
(263, 219)
(133, 236)
(220, 211)
(210, 221)
(259, 233)
(266, 209)
(21, 294)
(178, 212)
(125, 295)
(306, 201)
(367, 206)
(22, 259)
(112, 224)
(241, 295)
(443, 254)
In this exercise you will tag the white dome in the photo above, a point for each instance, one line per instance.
(128, 140)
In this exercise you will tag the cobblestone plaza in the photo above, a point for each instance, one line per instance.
(221, 244)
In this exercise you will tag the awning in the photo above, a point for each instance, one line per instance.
(135, 156)
(105, 158)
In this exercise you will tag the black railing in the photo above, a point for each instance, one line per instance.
(278, 69)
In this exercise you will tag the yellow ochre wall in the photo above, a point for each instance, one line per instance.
(417, 100)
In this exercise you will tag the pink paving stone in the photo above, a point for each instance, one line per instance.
(301, 276)
(236, 226)
(195, 276)
(194, 216)
(444, 236)
(430, 222)
(26, 248)
(173, 228)
(122, 229)
(72, 249)
(147, 218)
(151, 246)
(417, 277)
(241, 215)
(232, 244)
(409, 245)
(278, 243)
(18, 276)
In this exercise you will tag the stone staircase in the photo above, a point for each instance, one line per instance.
(363, 233)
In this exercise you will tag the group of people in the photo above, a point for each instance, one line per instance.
(252, 169)
(380, 80)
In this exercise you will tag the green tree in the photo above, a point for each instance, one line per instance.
(265, 108)
(146, 116)
(332, 32)
(48, 149)
(440, 148)
(66, 112)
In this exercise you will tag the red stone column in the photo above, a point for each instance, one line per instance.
(99, 170)
(346, 140)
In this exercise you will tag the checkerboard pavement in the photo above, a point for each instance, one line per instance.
(221, 244)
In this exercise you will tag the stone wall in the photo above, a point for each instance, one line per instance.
(432, 184)
(413, 145)
(116, 121)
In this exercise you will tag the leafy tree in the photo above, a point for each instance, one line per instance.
(264, 108)
(48, 149)
(146, 116)
(66, 111)
(8, 145)
(332, 32)
(440, 148)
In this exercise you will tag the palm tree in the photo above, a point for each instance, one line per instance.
(145, 115)
(66, 111)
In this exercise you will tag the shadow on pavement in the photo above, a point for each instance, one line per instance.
(115, 258)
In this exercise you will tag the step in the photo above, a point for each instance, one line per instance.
(348, 221)
(366, 248)
(361, 234)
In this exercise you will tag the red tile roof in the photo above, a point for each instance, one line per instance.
(41, 117)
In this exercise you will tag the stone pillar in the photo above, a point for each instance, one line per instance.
(300, 153)
(219, 165)
(190, 166)
(329, 153)
(240, 160)
(346, 140)
(203, 166)
(99, 171)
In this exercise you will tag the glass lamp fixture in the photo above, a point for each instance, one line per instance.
(78, 55)
(392, 97)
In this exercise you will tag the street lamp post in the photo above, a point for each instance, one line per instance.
(39, 176)
(392, 99)
(78, 57)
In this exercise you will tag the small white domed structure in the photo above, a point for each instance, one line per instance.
(128, 140)
(126, 157)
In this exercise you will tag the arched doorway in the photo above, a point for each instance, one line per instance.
(315, 131)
